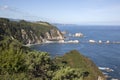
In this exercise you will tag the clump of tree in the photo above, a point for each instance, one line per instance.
(21, 64)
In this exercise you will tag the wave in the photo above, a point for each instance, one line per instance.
(106, 69)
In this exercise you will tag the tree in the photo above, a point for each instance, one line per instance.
(12, 61)
(67, 73)
(39, 64)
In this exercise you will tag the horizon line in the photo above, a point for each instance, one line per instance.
(62, 23)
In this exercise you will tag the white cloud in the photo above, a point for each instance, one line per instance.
(17, 13)
(4, 7)
(8, 8)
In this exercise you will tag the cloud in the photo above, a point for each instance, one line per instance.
(8, 8)
(4, 7)
(18, 13)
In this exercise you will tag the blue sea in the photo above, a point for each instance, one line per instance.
(103, 55)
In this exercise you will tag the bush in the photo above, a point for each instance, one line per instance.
(67, 73)
(17, 62)
(39, 64)
(12, 61)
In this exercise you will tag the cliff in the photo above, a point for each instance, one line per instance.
(29, 32)
(19, 62)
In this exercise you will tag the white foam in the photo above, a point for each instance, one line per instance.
(105, 69)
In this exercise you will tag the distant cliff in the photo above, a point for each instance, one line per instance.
(29, 32)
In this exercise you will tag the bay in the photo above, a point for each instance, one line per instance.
(103, 55)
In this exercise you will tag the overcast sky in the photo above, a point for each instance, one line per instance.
(63, 11)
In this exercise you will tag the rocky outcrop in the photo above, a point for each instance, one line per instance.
(101, 78)
(29, 32)
(54, 35)
(32, 38)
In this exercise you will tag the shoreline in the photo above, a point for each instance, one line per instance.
(72, 42)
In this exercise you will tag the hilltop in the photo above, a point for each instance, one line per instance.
(88, 70)
(29, 32)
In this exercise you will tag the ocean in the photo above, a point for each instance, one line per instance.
(105, 56)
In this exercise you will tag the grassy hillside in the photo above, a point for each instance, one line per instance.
(75, 60)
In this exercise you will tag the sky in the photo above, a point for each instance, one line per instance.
(105, 12)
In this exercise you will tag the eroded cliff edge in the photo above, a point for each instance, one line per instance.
(29, 32)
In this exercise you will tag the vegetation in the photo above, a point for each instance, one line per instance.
(24, 31)
(18, 62)
(74, 59)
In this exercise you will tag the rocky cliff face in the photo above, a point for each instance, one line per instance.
(54, 35)
(29, 32)
(32, 38)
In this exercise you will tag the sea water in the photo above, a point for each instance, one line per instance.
(103, 55)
